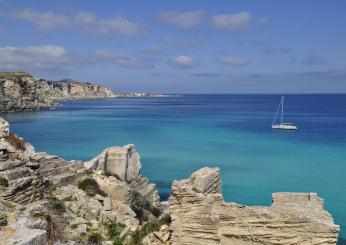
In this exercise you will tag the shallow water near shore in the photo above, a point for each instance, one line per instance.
(177, 135)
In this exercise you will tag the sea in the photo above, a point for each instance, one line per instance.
(177, 135)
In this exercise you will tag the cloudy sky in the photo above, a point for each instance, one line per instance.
(180, 46)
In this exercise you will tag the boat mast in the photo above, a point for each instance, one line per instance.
(282, 107)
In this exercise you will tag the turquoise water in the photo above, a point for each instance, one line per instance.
(176, 136)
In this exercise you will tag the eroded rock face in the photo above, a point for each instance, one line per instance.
(27, 227)
(122, 162)
(120, 174)
(200, 216)
(21, 91)
(28, 174)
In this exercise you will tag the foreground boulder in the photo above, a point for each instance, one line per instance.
(200, 216)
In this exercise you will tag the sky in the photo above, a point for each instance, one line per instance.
(180, 46)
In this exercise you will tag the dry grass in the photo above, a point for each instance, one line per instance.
(16, 142)
(54, 229)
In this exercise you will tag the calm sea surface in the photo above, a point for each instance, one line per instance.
(178, 135)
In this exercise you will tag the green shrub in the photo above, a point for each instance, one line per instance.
(149, 227)
(55, 204)
(3, 219)
(94, 238)
(118, 241)
(91, 187)
(114, 229)
(3, 182)
(143, 209)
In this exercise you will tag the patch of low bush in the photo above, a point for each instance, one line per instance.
(91, 187)
(54, 204)
(3, 219)
(94, 238)
(3, 182)
(143, 209)
(149, 227)
(114, 230)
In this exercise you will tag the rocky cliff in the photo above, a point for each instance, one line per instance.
(47, 200)
(200, 216)
(20, 91)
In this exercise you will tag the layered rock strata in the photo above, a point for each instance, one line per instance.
(26, 177)
(123, 165)
(21, 91)
(200, 216)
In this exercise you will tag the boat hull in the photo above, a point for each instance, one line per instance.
(284, 127)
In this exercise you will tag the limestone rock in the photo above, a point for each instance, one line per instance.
(123, 166)
(4, 128)
(121, 162)
(28, 173)
(107, 204)
(27, 227)
(200, 216)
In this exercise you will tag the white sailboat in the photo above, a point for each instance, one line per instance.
(282, 125)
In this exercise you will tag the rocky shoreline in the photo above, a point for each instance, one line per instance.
(47, 200)
(21, 91)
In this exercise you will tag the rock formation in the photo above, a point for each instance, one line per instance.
(26, 178)
(20, 91)
(200, 216)
(123, 166)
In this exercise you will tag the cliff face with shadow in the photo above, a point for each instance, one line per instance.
(20, 91)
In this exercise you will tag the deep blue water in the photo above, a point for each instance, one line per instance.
(175, 136)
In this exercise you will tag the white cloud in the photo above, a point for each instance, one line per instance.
(123, 60)
(36, 58)
(85, 21)
(231, 22)
(43, 20)
(233, 61)
(183, 62)
(184, 20)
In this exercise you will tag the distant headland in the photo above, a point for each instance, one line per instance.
(21, 91)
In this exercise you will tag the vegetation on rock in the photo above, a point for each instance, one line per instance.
(113, 231)
(3, 182)
(142, 208)
(3, 219)
(94, 238)
(15, 141)
(147, 228)
(91, 187)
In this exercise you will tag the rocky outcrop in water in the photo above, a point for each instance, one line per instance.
(200, 216)
(20, 91)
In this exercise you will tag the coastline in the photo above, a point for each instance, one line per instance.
(116, 172)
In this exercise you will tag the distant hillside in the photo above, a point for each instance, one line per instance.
(21, 91)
